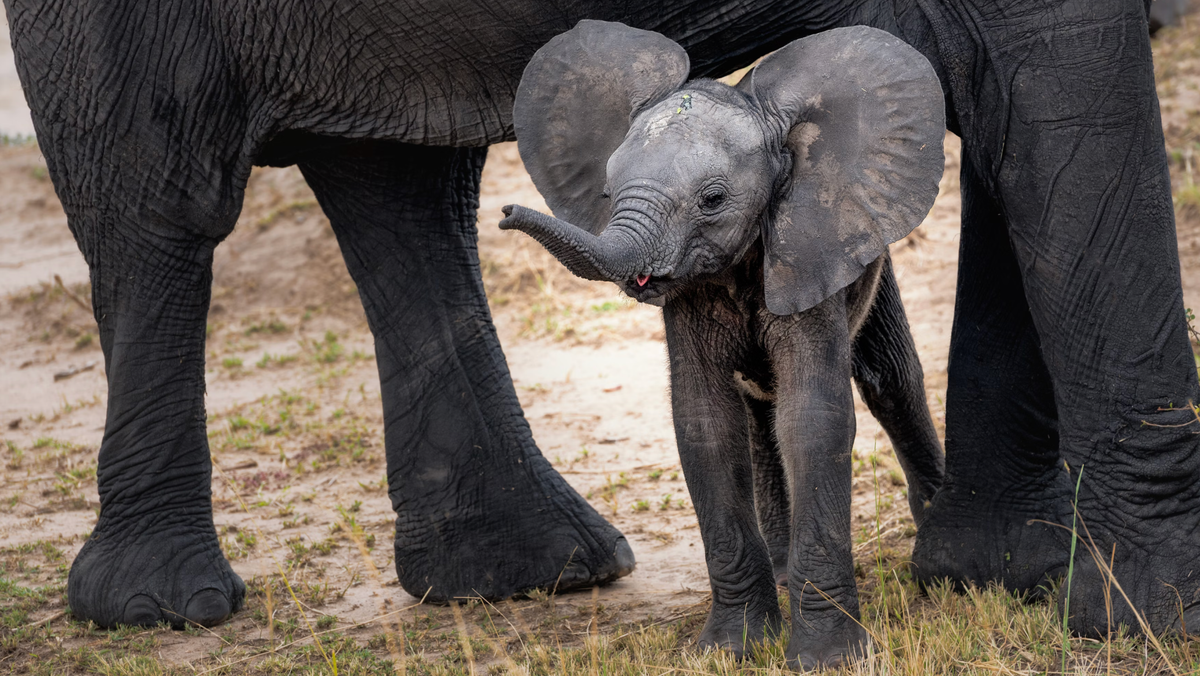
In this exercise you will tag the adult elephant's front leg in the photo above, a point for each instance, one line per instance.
(479, 511)
(153, 555)
(1070, 132)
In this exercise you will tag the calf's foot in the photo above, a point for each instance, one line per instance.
(156, 570)
(739, 629)
(826, 631)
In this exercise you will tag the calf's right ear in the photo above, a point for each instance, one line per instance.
(573, 109)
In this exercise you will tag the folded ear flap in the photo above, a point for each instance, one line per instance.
(574, 104)
(864, 120)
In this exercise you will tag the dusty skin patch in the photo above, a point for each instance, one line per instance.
(295, 432)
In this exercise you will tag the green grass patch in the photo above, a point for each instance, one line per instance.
(272, 326)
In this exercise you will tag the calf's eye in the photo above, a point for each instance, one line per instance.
(712, 199)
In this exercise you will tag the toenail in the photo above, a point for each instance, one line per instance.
(625, 559)
(207, 607)
(141, 610)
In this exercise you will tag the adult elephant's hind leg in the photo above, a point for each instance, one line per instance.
(153, 555)
(479, 511)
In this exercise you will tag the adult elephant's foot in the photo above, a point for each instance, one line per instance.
(741, 628)
(1005, 537)
(153, 571)
(1160, 576)
(506, 536)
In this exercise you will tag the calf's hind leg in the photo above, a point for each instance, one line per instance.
(479, 511)
(771, 502)
(890, 380)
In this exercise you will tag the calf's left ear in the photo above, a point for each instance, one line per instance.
(863, 116)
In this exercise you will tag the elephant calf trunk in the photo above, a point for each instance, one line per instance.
(602, 258)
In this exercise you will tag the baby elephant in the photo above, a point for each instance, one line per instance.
(758, 217)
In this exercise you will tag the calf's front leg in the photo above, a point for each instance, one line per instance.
(710, 429)
(814, 426)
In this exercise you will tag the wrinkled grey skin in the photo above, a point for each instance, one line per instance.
(764, 416)
(151, 115)
(1069, 345)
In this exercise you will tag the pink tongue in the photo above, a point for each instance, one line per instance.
(642, 279)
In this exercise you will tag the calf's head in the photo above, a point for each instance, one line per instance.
(829, 150)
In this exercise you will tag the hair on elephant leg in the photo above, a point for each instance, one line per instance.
(153, 556)
(1003, 473)
(892, 384)
(479, 511)
(706, 338)
(771, 500)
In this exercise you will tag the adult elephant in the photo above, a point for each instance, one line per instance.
(1069, 342)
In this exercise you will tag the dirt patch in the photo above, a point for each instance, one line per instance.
(14, 115)
(294, 412)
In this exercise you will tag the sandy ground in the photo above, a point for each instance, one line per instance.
(293, 395)
(589, 366)
(14, 115)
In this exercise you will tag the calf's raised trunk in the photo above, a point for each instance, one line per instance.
(610, 256)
